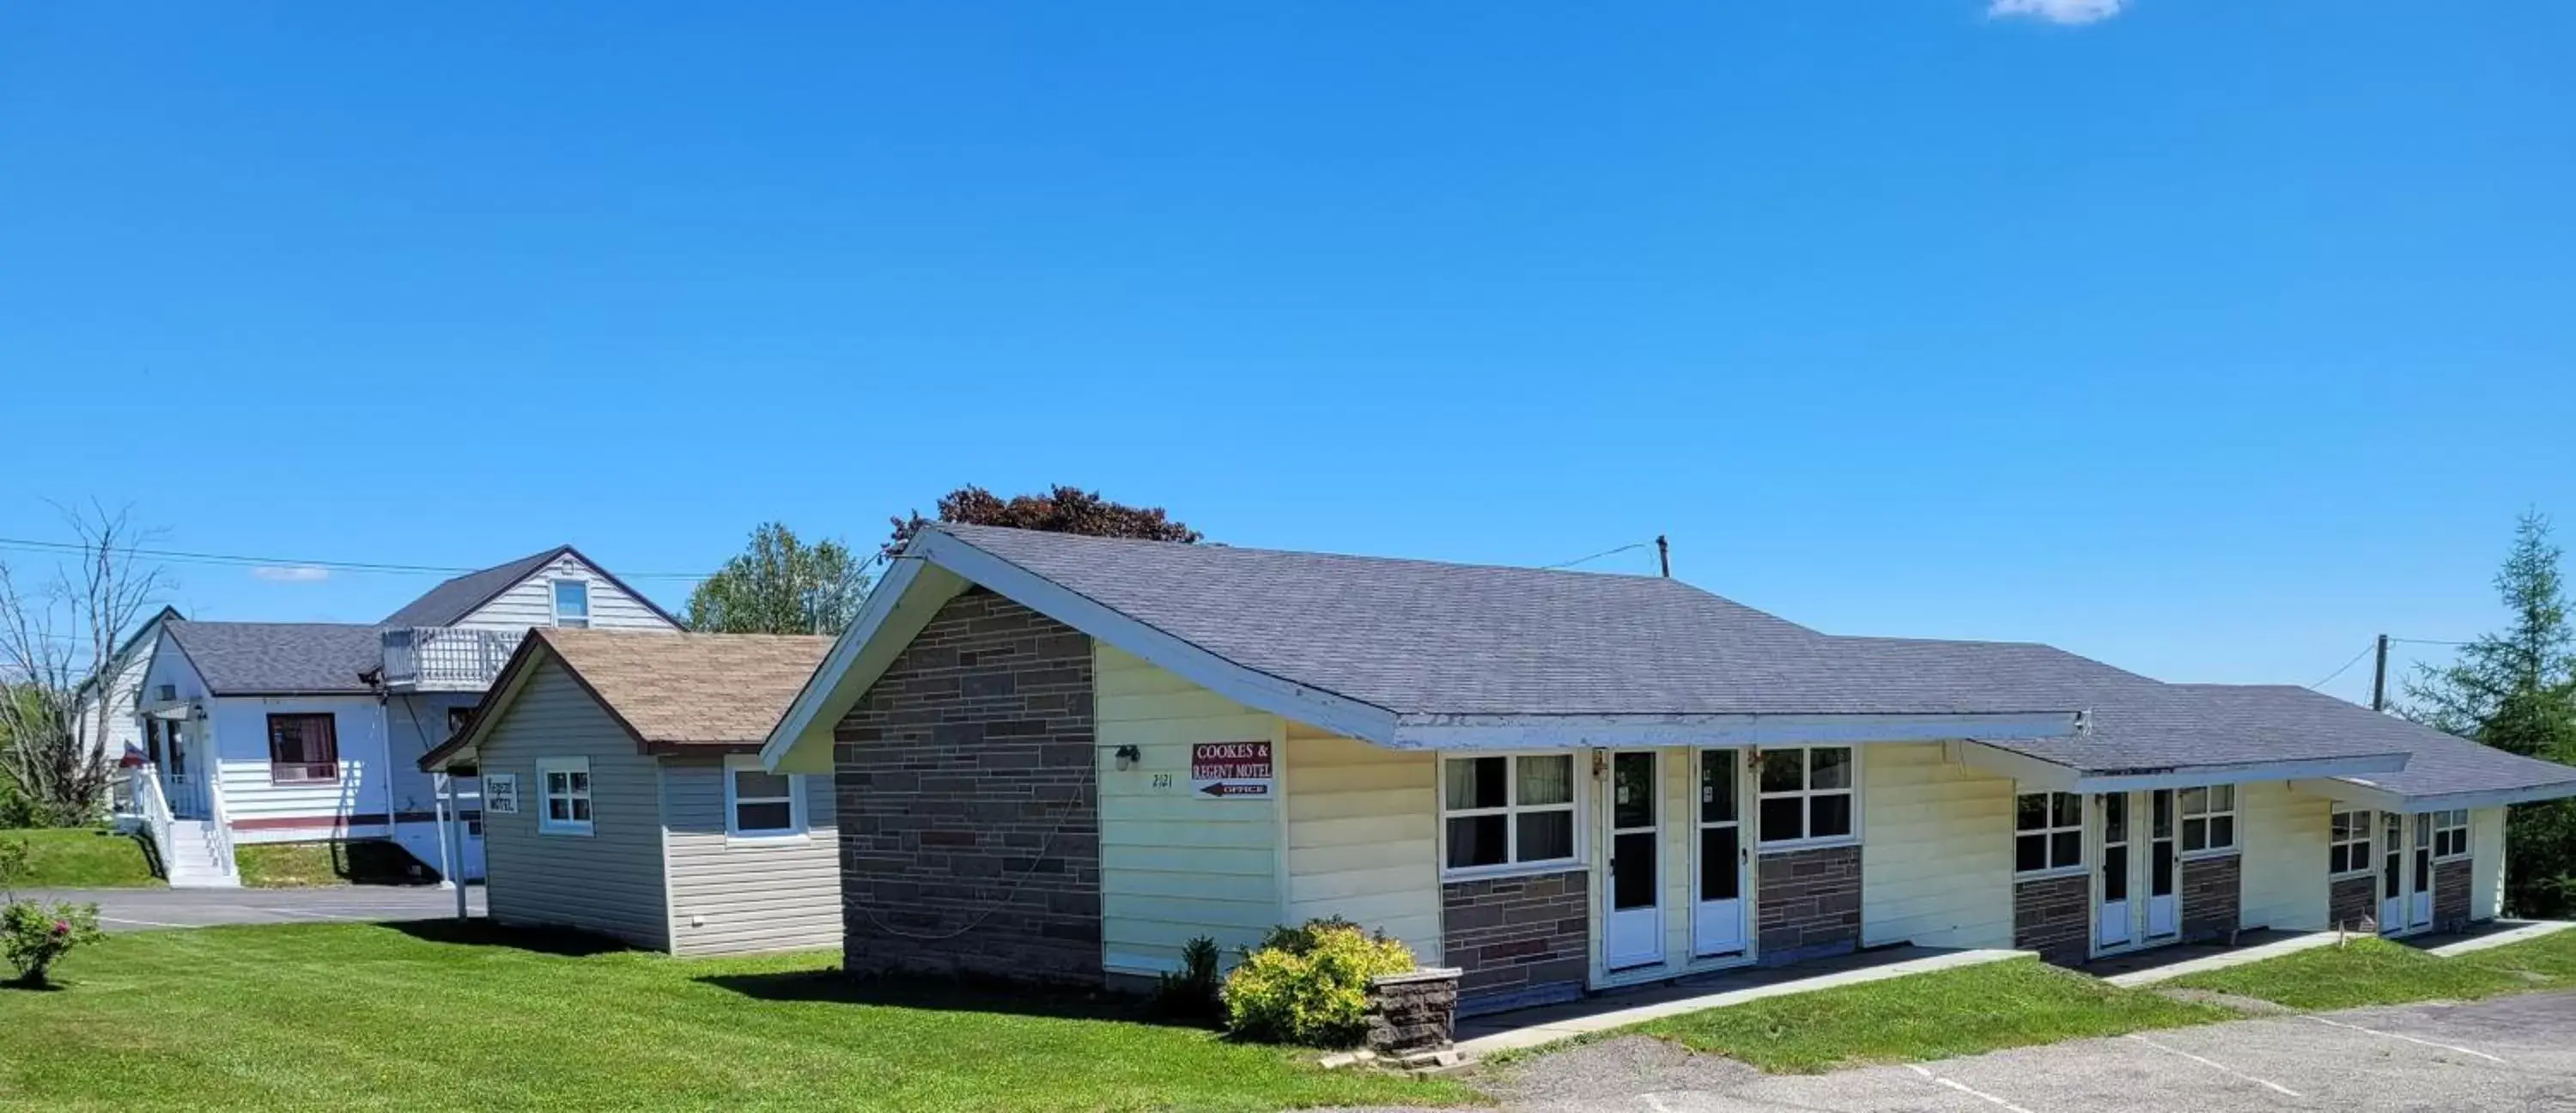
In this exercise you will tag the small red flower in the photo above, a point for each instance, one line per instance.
(62, 927)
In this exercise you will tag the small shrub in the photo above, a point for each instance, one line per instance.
(1309, 984)
(33, 936)
(1191, 993)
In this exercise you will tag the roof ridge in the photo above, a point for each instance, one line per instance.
(1418, 562)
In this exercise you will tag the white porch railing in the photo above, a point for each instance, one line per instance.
(446, 658)
(141, 805)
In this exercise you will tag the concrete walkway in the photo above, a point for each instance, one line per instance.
(1481, 1036)
(2497, 933)
(2167, 963)
(154, 909)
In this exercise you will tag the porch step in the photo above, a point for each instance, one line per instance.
(195, 858)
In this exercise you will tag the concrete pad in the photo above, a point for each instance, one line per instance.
(122, 910)
(2505, 932)
(2238, 957)
(1526, 1028)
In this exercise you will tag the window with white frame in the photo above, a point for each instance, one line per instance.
(1805, 796)
(563, 790)
(2348, 843)
(1505, 812)
(2208, 819)
(572, 604)
(2048, 832)
(2450, 834)
(761, 804)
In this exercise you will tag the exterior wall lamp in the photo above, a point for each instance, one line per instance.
(1127, 757)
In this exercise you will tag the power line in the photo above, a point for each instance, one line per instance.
(239, 560)
(2347, 666)
(1596, 556)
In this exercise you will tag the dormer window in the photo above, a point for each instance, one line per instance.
(572, 604)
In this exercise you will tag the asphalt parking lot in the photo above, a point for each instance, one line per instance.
(2516, 1053)
(154, 909)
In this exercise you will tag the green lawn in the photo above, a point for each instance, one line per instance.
(1962, 1011)
(2372, 971)
(362, 1016)
(300, 865)
(82, 858)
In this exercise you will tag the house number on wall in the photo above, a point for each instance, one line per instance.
(1162, 780)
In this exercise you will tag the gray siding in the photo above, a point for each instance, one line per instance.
(608, 882)
(531, 602)
(735, 897)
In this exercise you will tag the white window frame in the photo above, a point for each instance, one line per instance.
(2442, 825)
(1576, 784)
(794, 832)
(2361, 824)
(2048, 834)
(1807, 795)
(547, 824)
(2184, 817)
(554, 601)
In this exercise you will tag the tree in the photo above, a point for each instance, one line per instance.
(2515, 690)
(1061, 510)
(780, 586)
(57, 638)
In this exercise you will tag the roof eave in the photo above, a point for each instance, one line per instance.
(2360, 790)
(2041, 773)
(1563, 732)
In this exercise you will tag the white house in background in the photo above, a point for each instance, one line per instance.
(305, 732)
(114, 701)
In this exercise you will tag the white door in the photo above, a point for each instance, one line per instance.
(2111, 818)
(2164, 862)
(1632, 932)
(2392, 872)
(1717, 919)
(2419, 910)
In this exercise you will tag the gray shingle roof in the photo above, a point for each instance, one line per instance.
(455, 598)
(2438, 764)
(280, 658)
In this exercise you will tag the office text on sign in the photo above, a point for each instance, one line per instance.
(1231, 769)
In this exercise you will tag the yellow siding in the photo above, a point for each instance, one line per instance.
(1174, 864)
(1936, 857)
(2486, 866)
(1362, 837)
(2283, 834)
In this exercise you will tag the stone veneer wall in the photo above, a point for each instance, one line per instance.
(2054, 916)
(2352, 903)
(1807, 904)
(2451, 881)
(2213, 895)
(1413, 1012)
(970, 829)
(1517, 940)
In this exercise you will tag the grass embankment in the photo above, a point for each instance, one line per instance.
(82, 858)
(1938, 1015)
(303, 865)
(2377, 972)
(365, 1016)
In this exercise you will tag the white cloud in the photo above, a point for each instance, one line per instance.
(301, 574)
(2057, 11)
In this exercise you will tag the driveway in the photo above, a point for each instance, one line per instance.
(151, 909)
(2513, 1053)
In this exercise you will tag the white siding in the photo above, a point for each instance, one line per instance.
(416, 723)
(2486, 865)
(530, 602)
(609, 881)
(114, 701)
(1936, 856)
(1363, 837)
(732, 896)
(1175, 864)
(263, 810)
(2283, 835)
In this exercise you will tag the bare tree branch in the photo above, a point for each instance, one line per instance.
(58, 641)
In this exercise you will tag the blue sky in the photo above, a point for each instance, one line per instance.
(2208, 339)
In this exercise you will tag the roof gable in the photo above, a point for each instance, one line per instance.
(668, 692)
(454, 599)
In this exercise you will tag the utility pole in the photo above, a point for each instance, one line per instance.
(2379, 679)
(1664, 557)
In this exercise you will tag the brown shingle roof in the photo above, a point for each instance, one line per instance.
(689, 689)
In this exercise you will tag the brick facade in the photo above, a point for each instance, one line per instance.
(2054, 916)
(2352, 903)
(970, 830)
(2451, 881)
(1414, 1012)
(1517, 940)
(1807, 904)
(2213, 896)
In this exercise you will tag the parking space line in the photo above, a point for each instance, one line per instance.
(302, 912)
(141, 923)
(2409, 1039)
(1962, 1087)
(2218, 1066)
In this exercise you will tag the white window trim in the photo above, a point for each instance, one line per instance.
(554, 603)
(547, 824)
(2369, 843)
(1578, 781)
(2087, 851)
(1753, 769)
(2235, 824)
(796, 830)
(2468, 845)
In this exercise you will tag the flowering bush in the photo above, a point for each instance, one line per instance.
(1309, 985)
(33, 935)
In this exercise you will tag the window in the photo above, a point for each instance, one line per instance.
(2348, 849)
(759, 803)
(302, 748)
(2208, 819)
(563, 788)
(1503, 812)
(2450, 834)
(572, 604)
(1805, 795)
(2048, 832)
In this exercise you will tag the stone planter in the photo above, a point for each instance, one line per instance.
(1413, 1012)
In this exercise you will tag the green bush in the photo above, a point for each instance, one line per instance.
(1191, 993)
(33, 936)
(1309, 984)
